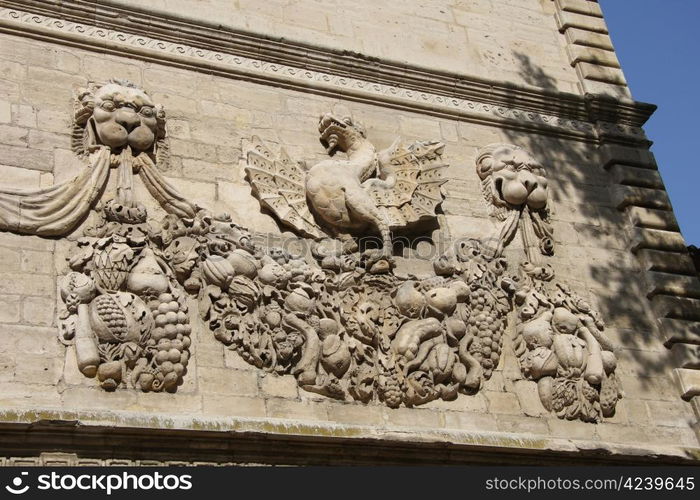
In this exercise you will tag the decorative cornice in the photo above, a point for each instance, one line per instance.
(283, 442)
(112, 29)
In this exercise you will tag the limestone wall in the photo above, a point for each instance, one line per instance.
(211, 116)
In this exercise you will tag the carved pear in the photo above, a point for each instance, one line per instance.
(147, 277)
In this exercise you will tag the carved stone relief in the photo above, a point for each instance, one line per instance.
(515, 186)
(340, 319)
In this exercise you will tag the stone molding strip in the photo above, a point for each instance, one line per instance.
(672, 282)
(200, 47)
(87, 439)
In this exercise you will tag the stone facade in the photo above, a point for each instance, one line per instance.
(542, 306)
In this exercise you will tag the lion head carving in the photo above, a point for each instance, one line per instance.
(511, 177)
(118, 114)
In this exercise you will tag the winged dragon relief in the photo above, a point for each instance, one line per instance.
(357, 191)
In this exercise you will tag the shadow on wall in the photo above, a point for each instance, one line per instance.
(533, 74)
(592, 246)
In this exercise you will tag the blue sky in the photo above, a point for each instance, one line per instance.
(657, 43)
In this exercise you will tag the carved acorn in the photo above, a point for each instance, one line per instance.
(409, 301)
(243, 263)
(218, 271)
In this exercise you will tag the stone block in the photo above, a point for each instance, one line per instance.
(355, 414)
(9, 308)
(652, 218)
(605, 74)
(38, 311)
(588, 39)
(233, 406)
(227, 381)
(39, 369)
(5, 112)
(607, 89)
(579, 54)
(413, 417)
(670, 413)
(656, 239)
(14, 135)
(282, 386)
(504, 403)
(673, 284)
(468, 421)
(689, 380)
(95, 398)
(678, 330)
(296, 410)
(519, 424)
(635, 176)
(572, 429)
(529, 398)
(566, 19)
(624, 196)
(686, 355)
(9, 259)
(585, 7)
(666, 306)
(22, 157)
(36, 262)
(626, 155)
(26, 284)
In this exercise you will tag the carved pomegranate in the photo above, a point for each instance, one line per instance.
(120, 317)
(408, 300)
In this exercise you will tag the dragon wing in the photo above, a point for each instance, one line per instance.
(279, 184)
(417, 191)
